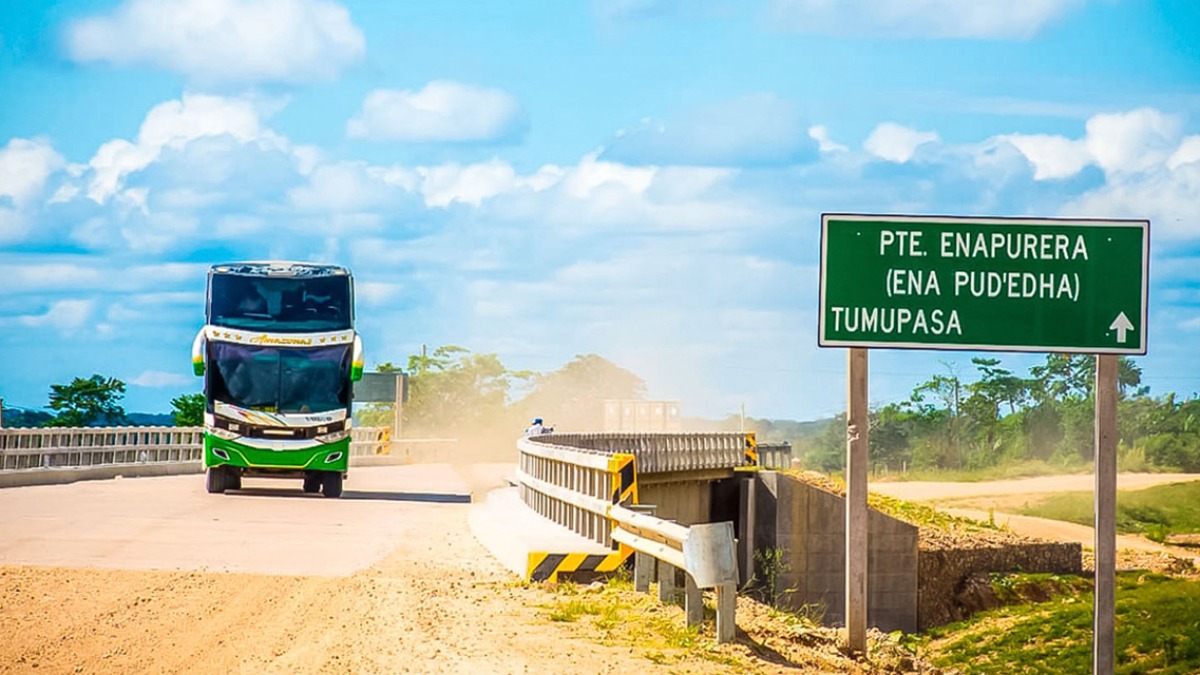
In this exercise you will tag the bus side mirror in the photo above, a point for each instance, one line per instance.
(198, 367)
(356, 360)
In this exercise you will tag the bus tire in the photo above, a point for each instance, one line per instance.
(215, 481)
(312, 482)
(233, 478)
(331, 484)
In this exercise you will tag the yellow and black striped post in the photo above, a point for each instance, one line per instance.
(751, 449)
(624, 479)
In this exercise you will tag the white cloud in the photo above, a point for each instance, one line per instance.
(353, 186)
(1052, 156)
(442, 111)
(754, 129)
(825, 143)
(1187, 153)
(1132, 141)
(896, 143)
(223, 40)
(157, 379)
(173, 124)
(65, 315)
(987, 19)
(25, 165)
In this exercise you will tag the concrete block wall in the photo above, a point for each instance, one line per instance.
(808, 525)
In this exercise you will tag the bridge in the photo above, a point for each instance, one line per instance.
(564, 505)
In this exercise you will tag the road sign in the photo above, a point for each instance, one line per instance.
(1009, 284)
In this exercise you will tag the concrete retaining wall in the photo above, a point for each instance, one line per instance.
(808, 526)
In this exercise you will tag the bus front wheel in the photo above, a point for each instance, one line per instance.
(216, 482)
(331, 484)
(312, 482)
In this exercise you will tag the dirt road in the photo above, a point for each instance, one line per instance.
(929, 491)
(152, 575)
(996, 500)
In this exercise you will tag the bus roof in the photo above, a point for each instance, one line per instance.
(279, 268)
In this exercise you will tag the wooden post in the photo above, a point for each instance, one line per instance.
(857, 457)
(1106, 514)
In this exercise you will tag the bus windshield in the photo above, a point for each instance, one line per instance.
(281, 304)
(276, 380)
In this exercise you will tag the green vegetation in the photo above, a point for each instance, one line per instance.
(87, 402)
(187, 410)
(1000, 424)
(622, 616)
(1157, 631)
(1156, 512)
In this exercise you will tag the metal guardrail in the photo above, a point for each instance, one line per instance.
(582, 481)
(75, 447)
(571, 486)
(704, 552)
(663, 452)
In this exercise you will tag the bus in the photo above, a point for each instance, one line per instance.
(278, 354)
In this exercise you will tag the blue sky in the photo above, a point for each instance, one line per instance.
(640, 179)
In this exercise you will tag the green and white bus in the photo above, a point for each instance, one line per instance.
(278, 355)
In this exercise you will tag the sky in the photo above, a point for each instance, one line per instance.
(639, 179)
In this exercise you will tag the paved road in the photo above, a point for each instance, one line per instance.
(269, 527)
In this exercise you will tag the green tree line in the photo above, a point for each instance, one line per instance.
(994, 417)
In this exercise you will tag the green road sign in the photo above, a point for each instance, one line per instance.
(1010, 284)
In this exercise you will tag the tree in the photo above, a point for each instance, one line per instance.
(87, 402)
(188, 410)
(455, 391)
(573, 396)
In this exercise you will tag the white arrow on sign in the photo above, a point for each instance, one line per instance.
(1122, 325)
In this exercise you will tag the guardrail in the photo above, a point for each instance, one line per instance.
(705, 554)
(571, 486)
(665, 452)
(78, 447)
(585, 481)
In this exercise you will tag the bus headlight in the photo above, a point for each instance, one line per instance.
(222, 433)
(331, 438)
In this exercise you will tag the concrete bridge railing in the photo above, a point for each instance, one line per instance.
(81, 447)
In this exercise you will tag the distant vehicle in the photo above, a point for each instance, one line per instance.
(279, 355)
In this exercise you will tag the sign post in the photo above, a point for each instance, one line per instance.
(857, 458)
(1103, 614)
(1000, 284)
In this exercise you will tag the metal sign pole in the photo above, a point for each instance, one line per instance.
(857, 437)
(1106, 514)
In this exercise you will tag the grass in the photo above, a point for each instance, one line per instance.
(1157, 631)
(1025, 469)
(1156, 512)
(622, 616)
